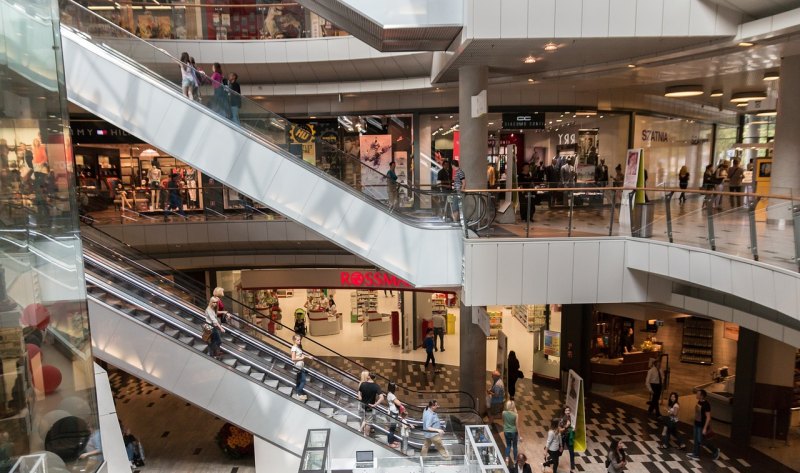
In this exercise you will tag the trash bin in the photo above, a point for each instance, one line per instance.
(642, 220)
(451, 324)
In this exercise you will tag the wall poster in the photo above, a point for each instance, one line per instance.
(588, 146)
(375, 154)
(575, 402)
(552, 343)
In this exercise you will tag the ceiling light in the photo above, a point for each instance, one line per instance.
(551, 47)
(715, 93)
(746, 44)
(491, 123)
(770, 76)
(529, 60)
(530, 80)
(767, 113)
(436, 117)
(684, 91)
(741, 104)
(740, 97)
(586, 113)
(631, 65)
(312, 118)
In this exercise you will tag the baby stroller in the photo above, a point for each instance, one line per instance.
(300, 322)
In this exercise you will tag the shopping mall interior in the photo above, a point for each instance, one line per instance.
(224, 223)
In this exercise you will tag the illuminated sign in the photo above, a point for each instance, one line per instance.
(370, 279)
(524, 120)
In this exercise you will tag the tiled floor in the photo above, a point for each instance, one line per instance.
(180, 438)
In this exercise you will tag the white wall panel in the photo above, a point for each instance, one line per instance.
(318, 51)
(513, 18)
(257, 231)
(791, 337)
(585, 268)
(233, 398)
(720, 312)
(611, 268)
(217, 232)
(509, 271)
(487, 20)
(742, 284)
(594, 18)
(535, 279)
(254, 51)
(700, 268)
(232, 52)
(634, 286)
(199, 380)
(702, 17)
(130, 343)
(676, 17)
(559, 271)
(484, 274)
(541, 18)
(165, 363)
(696, 305)
(622, 18)
(786, 285)
(770, 328)
(637, 255)
(297, 51)
(721, 276)
(649, 14)
(659, 259)
(568, 14)
(763, 287)
(745, 320)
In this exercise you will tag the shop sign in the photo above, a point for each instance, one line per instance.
(98, 133)
(524, 120)
(302, 133)
(655, 136)
(378, 279)
(566, 139)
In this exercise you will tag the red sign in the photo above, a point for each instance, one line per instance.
(370, 279)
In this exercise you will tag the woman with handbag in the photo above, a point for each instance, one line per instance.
(298, 358)
(671, 422)
(212, 331)
(553, 446)
(513, 374)
(568, 436)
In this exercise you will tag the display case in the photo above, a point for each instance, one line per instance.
(316, 455)
(363, 303)
(698, 341)
(531, 316)
(481, 451)
(495, 324)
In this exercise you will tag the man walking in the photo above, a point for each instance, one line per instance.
(702, 427)
(654, 384)
(391, 186)
(430, 345)
(495, 396)
(235, 98)
(459, 185)
(735, 178)
(439, 323)
(370, 395)
(432, 428)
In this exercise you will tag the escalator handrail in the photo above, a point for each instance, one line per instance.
(194, 332)
(162, 81)
(203, 287)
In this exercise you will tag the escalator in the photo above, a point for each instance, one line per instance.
(132, 306)
(121, 79)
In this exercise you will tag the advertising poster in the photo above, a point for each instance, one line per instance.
(588, 146)
(375, 153)
(552, 343)
(457, 146)
(575, 402)
(401, 168)
(301, 141)
(585, 172)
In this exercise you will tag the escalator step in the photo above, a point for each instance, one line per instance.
(341, 418)
(160, 326)
(287, 390)
(313, 404)
(230, 361)
(273, 383)
(328, 411)
(142, 316)
(172, 331)
(186, 339)
(258, 376)
(354, 425)
(244, 369)
(241, 345)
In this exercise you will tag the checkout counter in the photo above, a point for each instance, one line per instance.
(609, 374)
(321, 322)
(376, 325)
(719, 394)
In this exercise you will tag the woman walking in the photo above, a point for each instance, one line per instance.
(188, 79)
(552, 447)
(708, 184)
(298, 358)
(513, 374)
(219, 82)
(683, 182)
(568, 436)
(671, 422)
(216, 328)
(511, 432)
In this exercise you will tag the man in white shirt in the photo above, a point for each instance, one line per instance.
(654, 384)
(439, 324)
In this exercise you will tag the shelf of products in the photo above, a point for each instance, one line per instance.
(698, 341)
(316, 300)
(362, 302)
(531, 316)
(439, 305)
(796, 390)
(495, 324)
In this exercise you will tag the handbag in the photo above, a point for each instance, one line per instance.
(207, 332)
(300, 365)
(709, 434)
(520, 374)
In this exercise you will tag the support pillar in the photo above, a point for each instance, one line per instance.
(745, 388)
(576, 329)
(785, 165)
(474, 131)
(472, 359)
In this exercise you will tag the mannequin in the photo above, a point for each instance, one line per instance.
(154, 176)
(191, 185)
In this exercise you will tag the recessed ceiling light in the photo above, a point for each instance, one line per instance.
(746, 44)
(451, 116)
(530, 80)
(715, 93)
(772, 75)
(741, 104)
(529, 60)
(740, 97)
(631, 65)
(312, 117)
(551, 47)
(684, 91)
(559, 120)
(491, 123)
(436, 117)
(767, 113)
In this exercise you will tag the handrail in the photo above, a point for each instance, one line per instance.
(259, 329)
(633, 189)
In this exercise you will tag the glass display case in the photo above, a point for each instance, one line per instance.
(315, 457)
(481, 451)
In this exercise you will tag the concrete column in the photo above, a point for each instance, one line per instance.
(786, 165)
(474, 131)
(745, 388)
(472, 359)
(576, 326)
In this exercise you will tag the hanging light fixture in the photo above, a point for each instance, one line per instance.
(551, 47)
(529, 60)
(683, 91)
(772, 75)
(716, 93)
(767, 113)
(740, 97)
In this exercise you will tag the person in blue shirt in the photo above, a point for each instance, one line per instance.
(391, 186)
(429, 345)
(432, 428)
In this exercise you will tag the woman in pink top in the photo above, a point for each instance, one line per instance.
(218, 81)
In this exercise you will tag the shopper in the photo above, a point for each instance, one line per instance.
(222, 314)
(616, 459)
(430, 345)
(218, 82)
(198, 79)
(444, 183)
(708, 185)
(619, 176)
(216, 328)
(234, 96)
(459, 185)
(568, 436)
(522, 464)
(527, 205)
(513, 373)
(553, 447)
(626, 341)
(511, 432)
(432, 428)
(654, 383)
(298, 359)
(174, 202)
(188, 79)
(439, 324)
(671, 422)
(601, 174)
(369, 393)
(395, 406)
(392, 186)
(683, 182)
(735, 178)
(720, 176)
(133, 448)
(495, 396)
(702, 427)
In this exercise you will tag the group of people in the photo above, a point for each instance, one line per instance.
(227, 99)
(449, 179)
(731, 175)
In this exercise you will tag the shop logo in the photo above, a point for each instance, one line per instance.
(302, 133)
(566, 139)
(653, 135)
(370, 279)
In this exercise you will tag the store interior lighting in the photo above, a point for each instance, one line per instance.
(767, 113)
(551, 47)
(771, 75)
(746, 44)
(529, 60)
(684, 91)
(716, 93)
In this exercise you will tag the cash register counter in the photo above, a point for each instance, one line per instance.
(324, 323)
(609, 374)
(720, 396)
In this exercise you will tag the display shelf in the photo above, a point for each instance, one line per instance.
(796, 388)
(495, 324)
(362, 302)
(698, 341)
(439, 304)
(531, 316)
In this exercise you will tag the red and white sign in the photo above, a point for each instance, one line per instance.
(322, 277)
(377, 279)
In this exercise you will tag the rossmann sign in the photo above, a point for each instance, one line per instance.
(377, 279)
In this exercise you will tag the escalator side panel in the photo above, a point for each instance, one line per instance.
(165, 362)
(114, 90)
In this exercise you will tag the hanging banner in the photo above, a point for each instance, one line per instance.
(376, 153)
(575, 402)
(632, 164)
